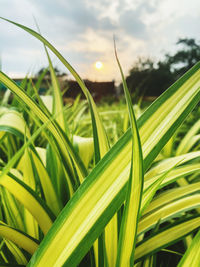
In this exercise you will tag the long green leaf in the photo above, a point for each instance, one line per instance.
(51, 198)
(19, 238)
(178, 172)
(25, 165)
(98, 129)
(192, 255)
(166, 237)
(128, 229)
(57, 97)
(168, 163)
(13, 211)
(150, 191)
(13, 122)
(172, 195)
(16, 251)
(168, 211)
(30, 200)
(94, 113)
(184, 145)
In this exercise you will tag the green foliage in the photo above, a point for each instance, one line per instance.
(74, 187)
(185, 57)
(147, 78)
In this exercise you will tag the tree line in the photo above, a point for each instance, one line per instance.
(147, 78)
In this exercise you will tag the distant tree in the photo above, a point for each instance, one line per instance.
(149, 78)
(184, 58)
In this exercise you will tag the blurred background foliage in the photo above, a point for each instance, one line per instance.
(148, 78)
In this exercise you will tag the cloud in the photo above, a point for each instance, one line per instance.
(132, 24)
(73, 17)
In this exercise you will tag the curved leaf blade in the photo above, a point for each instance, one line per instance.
(192, 255)
(30, 200)
(128, 229)
(166, 238)
(23, 240)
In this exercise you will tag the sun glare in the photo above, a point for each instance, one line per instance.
(98, 65)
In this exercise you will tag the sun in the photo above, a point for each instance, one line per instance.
(98, 65)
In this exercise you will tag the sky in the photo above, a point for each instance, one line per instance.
(83, 30)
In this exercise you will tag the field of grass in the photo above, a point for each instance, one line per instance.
(107, 185)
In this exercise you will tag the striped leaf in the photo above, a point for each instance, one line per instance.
(187, 142)
(166, 237)
(30, 200)
(128, 229)
(19, 238)
(57, 97)
(169, 211)
(17, 253)
(171, 195)
(192, 255)
(25, 165)
(13, 211)
(178, 172)
(13, 122)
